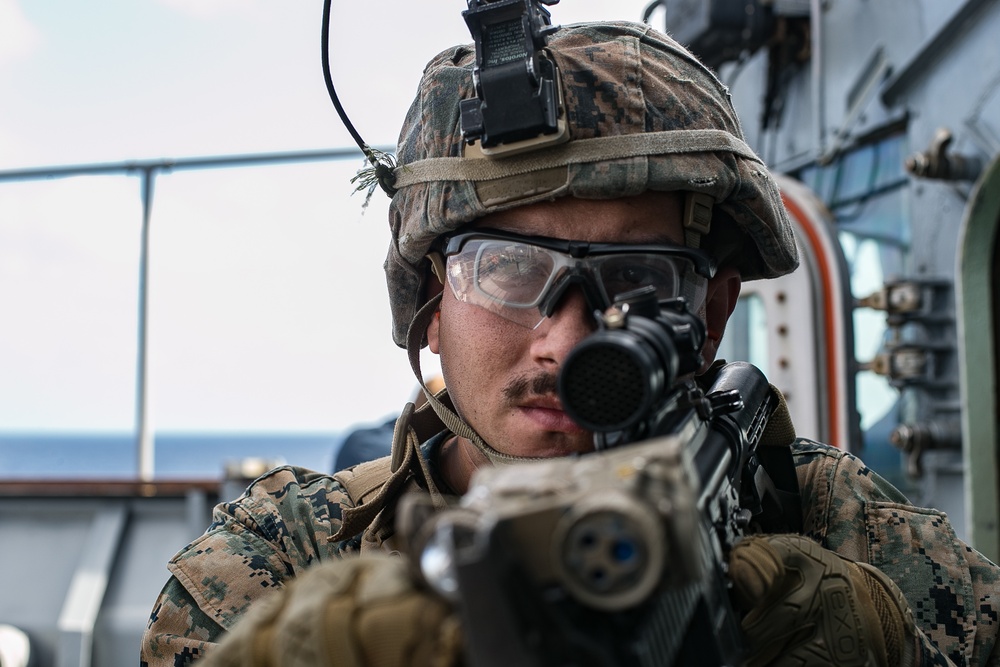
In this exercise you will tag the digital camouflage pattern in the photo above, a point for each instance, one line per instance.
(621, 82)
(953, 591)
(254, 547)
(281, 526)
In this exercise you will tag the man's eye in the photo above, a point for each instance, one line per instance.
(625, 277)
(637, 276)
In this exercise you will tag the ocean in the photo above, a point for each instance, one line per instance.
(177, 455)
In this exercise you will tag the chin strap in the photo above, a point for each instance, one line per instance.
(441, 403)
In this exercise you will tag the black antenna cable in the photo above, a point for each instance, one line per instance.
(647, 13)
(383, 164)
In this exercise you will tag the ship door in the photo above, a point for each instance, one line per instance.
(978, 293)
(798, 328)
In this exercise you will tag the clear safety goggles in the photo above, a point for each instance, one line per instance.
(523, 278)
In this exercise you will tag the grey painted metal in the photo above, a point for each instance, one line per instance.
(926, 59)
(977, 348)
(196, 508)
(90, 581)
(816, 34)
(860, 94)
(56, 548)
(910, 67)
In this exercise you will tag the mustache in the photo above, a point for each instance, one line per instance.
(541, 384)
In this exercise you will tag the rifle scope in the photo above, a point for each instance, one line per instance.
(618, 378)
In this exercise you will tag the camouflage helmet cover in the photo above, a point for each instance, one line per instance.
(643, 114)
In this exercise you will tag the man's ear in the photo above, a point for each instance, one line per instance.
(432, 289)
(723, 293)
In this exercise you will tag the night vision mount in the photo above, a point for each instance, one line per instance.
(518, 105)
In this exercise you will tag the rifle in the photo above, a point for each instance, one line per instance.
(616, 557)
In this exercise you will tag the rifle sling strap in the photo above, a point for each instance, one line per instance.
(374, 486)
(774, 454)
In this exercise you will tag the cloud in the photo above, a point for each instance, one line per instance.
(18, 37)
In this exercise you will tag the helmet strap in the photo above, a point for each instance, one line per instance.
(448, 416)
(697, 218)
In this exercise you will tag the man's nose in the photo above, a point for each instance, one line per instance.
(570, 322)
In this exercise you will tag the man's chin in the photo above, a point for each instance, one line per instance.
(549, 448)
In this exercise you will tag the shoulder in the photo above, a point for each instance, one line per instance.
(824, 471)
(837, 490)
(279, 526)
(285, 502)
(851, 510)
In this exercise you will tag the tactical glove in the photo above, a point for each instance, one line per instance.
(809, 606)
(356, 612)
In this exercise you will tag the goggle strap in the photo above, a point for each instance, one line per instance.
(449, 418)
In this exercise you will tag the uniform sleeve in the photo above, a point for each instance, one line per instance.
(986, 587)
(281, 525)
(178, 631)
(950, 587)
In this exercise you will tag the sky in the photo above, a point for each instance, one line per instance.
(267, 301)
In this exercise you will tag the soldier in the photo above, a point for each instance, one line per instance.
(654, 146)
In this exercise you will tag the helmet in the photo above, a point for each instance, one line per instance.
(643, 114)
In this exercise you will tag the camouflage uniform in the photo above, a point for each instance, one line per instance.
(284, 521)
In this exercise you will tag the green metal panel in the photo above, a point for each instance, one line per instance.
(977, 306)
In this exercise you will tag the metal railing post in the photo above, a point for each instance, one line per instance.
(143, 424)
(147, 170)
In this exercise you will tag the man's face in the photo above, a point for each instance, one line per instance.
(501, 375)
